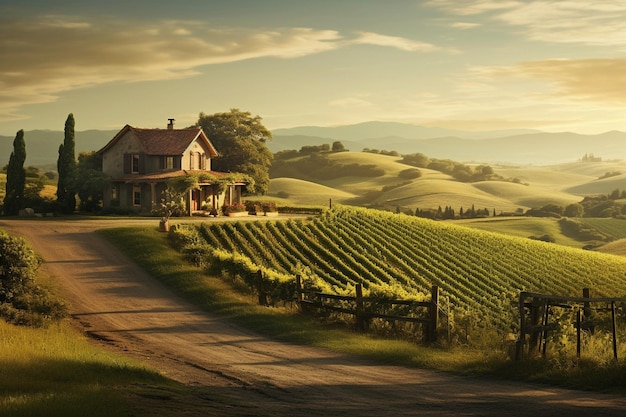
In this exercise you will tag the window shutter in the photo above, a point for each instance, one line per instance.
(127, 163)
(162, 163)
(177, 162)
(142, 163)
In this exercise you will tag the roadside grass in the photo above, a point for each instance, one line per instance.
(55, 371)
(151, 250)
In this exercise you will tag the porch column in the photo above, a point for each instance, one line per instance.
(189, 202)
(153, 195)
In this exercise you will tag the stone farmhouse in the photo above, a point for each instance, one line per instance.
(140, 162)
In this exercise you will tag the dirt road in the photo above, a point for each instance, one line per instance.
(243, 373)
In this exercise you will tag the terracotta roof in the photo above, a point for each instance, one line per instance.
(164, 141)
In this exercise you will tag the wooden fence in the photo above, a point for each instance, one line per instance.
(364, 308)
(535, 310)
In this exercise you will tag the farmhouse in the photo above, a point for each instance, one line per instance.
(141, 162)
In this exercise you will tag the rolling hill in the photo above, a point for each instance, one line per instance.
(526, 187)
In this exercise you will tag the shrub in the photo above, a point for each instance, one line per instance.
(22, 301)
(410, 173)
(183, 236)
(18, 266)
(543, 238)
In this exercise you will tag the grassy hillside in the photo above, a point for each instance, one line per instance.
(477, 270)
(612, 230)
(306, 192)
(525, 187)
(526, 196)
(523, 227)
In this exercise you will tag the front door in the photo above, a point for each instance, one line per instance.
(195, 200)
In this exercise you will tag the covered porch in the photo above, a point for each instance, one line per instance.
(145, 193)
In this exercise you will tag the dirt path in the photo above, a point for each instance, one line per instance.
(245, 374)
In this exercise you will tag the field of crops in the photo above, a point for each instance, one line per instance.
(406, 255)
(616, 228)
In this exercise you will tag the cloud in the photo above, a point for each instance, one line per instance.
(53, 54)
(472, 7)
(465, 25)
(369, 38)
(580, 22)
(598, 80)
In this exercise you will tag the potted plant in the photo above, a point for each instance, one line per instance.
(270, 209)
(235, 209)
(171, 205)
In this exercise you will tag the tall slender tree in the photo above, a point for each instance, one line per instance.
(66, 166)
(16, 177)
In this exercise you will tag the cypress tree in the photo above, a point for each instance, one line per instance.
(66, 166)
(16, 177)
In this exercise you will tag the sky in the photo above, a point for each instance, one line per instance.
(460, 64)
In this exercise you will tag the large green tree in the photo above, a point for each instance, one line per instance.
(240, 139)
(66, 166)
(16, 177)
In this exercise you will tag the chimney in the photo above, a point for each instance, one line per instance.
(170, 125)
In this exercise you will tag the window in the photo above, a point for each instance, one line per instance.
(136, 195)
(191, 166)
(169, 162)
(135, 164)
(200, 160)
(114, 193)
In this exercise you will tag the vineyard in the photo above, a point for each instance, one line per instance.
(403, 256)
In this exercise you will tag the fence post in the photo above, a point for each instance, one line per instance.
(261, 289)
(536, 315)
(578, 324)
(299, 293)
(544, 325)
(360, 319)
(433, 314)
(614, 330)
(587, 312)
(519, 346)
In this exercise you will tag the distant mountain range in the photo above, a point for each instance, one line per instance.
(521, 146)
(42, 146)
